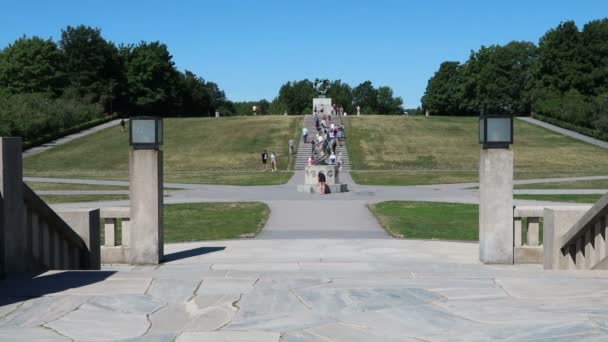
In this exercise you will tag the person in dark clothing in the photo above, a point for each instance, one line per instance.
(312, 144)
(321, 183)
(123, 125)
(264, 158)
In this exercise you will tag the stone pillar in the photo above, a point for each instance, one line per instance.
(217, 114)
(13, 238)
(496, 206)
(146, 189)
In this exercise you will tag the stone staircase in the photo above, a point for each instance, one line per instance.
(304, 150)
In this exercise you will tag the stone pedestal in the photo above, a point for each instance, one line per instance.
(13, 239)
(319, 102)
(332, 179)
(146, 189)
(496, 206)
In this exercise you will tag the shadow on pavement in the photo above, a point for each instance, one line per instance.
(17, 287)
(191, 253)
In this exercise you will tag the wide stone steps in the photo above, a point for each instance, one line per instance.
(304, 149)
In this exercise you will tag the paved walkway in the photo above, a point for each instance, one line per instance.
(309, 290)
(61, 141)
(567, 132)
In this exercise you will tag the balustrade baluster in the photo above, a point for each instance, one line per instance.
(533, 231)
(580, 253)
(517, 231)
(589, 240)
(126, 231)
(47, 247)
(56, 251)
(110, 232)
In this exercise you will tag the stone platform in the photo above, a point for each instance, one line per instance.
(332, 179)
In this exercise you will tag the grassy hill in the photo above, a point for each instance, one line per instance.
(196, 150)
(402, 150)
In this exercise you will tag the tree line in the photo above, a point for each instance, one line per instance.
(563, 78)
(47, 86)
(295, 97)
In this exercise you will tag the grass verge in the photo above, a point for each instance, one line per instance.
(585, 184)
(55, 199)
(70, 186)
(428, 220)
(568, 198)
(214, 221)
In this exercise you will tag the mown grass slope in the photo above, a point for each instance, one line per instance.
(196, 150)
(421, 150)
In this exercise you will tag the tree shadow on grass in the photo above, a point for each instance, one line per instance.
(191, 253)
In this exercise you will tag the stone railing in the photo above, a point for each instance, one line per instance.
(116, 220)
(527, 248)
(65, 240)
(582, 245)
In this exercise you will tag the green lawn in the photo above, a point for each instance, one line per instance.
(561, 198)
(587, 184)
(448, 147)
(193, 149)
(428, 220)
(210, 221)
(214, 221)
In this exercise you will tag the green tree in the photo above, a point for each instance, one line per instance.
(297, 96)
(387, 103)
(365, 96)
(444, 91)
(92, 64)
(497, 79)
(152, 80)
(341, 95)
(31, 65)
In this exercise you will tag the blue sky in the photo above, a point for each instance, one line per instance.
(251, 47)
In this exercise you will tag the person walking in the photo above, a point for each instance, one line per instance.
(339, 160)
(312, 145)
(292, 146)
(332, 158)
(311, 160)
(273, 162)
(264, 159)
(305, 134)
(321, 178)
(123, 125)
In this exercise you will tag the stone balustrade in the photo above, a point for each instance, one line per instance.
(116, 223)
(64, 240)
(33, 237)
(583, 245)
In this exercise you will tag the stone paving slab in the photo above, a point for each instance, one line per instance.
(309, 290)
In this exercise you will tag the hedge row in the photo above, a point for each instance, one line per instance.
(582, 130)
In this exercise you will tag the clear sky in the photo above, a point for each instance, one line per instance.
(251, 47)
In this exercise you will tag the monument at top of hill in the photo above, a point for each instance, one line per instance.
(321, 104)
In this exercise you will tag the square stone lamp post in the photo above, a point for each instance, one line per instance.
(146, 190)
(496, 189)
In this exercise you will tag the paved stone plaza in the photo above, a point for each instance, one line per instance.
(309, 290)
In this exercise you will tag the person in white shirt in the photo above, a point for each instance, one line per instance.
(332, 159)
(340, 161)
(273, 162)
